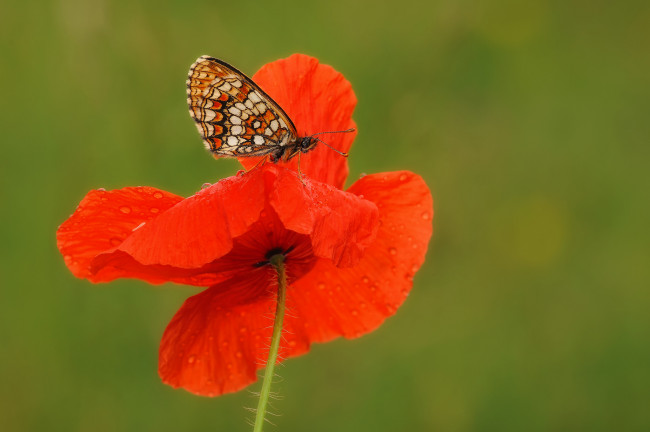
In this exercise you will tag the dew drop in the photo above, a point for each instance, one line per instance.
(224, 344)
(115, 241)
(293, 343)
(67, 258)
(238, 354)
(229, 366)
(243, 330)
(402, 177)
(154, 209)
(205, 185)
(157, 195)
(362, 175)
(101, 190)
(321, 285)
(355, 312)
(125, 209)
(426, 216)
(392, 251)
(414, 268)
(191, 359)
(362, 305)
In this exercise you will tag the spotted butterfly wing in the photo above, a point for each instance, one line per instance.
(235, 117)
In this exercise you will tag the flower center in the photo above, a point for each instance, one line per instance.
(271, 253)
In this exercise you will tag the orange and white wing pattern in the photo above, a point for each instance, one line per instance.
(233, 115)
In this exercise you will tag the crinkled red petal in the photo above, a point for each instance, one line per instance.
(341, 224)
(317, 98)
(219, 338)
(329, 302)
(103, 220)
(200, 228)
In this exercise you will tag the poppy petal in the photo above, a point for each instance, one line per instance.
(341, 224)
(330, 302)
(200, 228)
(103, 220)
(215, 342)
(318, 99)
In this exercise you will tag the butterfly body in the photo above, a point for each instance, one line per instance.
(236, 118)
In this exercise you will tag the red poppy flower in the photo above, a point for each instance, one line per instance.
(350, 255)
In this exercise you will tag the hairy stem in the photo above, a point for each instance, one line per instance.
(277, 261)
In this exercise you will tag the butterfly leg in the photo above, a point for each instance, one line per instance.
(261, 162)
(300, 172)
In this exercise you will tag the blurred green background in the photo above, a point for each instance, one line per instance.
(528, 120)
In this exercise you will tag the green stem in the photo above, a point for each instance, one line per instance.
(277, 261)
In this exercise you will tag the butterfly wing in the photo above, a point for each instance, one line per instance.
(233, 115)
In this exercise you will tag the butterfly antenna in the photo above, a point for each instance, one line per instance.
(343, 131)
(344, 154)
(329, 132)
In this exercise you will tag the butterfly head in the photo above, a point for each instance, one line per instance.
(307, 144)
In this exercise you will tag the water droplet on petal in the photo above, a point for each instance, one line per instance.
(191, 359)
(426, 216)
(101, 190)
(206, 185)
(365, 279)
(402, 177)
(115, 241)
(392, 251)
(355, 312)
(238, 354)
(321, 285)
(243, 330)
(293, 343)
(154, 209)
(157, 195)
(414, 268)
(229, 366)
(125, 209)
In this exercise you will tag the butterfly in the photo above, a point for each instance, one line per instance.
(236, 118)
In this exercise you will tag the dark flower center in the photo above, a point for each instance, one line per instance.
(271, 253)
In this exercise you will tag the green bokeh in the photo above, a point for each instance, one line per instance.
(528, 120)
